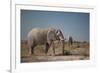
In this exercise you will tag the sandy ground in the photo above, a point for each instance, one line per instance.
(52, 58)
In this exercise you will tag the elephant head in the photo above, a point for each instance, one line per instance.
(59, 35)
(53, 35)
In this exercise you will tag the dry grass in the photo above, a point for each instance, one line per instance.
(78, 51)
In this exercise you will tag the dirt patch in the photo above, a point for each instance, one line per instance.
(53, 58)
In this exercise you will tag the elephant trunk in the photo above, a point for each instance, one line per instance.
(62, 41)
(63, 46)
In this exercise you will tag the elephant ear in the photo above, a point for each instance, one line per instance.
(51, 35)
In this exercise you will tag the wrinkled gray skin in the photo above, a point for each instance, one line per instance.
(38, 36)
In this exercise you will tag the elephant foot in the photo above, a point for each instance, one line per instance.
(29, 55)
(46, 54)
(53, 54)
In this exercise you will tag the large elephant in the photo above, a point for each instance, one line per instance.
(39, 36)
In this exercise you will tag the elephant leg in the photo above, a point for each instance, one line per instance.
(63, 46)
(47, 47)
(32, 49)
(63, 49)
(53, 47)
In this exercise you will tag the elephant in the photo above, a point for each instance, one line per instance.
(44, 36)
(70, 41)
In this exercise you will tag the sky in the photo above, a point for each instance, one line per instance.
(75, 24)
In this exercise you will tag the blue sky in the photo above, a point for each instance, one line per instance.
(73, 24)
